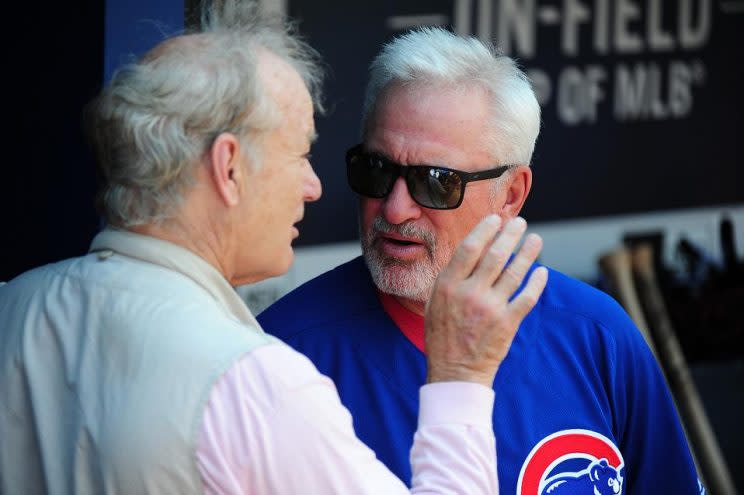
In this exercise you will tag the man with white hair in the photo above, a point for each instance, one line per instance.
(138, 369)
(449, 127)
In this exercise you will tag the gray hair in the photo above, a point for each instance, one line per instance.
(158, 116)
(428, 56)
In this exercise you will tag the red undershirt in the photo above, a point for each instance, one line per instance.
(410, 323)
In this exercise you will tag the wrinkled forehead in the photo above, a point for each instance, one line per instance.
(424, 123)
(434, 101)
(288, 92)
(284, 85)
(431, 110)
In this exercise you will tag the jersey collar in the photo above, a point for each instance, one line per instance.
(409, 323)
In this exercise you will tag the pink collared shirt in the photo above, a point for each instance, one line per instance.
(274, 424)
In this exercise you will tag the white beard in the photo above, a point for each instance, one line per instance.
(410, 280)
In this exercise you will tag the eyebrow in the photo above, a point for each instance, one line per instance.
(386, 157)
(492, 173)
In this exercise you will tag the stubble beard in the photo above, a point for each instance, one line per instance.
(413, 280)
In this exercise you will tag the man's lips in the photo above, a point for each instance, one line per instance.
(400, 247)
(295, 228)
(399, 239)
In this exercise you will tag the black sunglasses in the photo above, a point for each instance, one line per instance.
(439, 188)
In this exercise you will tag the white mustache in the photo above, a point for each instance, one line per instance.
(408, 230)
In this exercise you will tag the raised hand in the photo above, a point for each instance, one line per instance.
(470, 320)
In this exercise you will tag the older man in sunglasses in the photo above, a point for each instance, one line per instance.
(449, 128)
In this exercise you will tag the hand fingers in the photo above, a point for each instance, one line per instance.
(526, 300)
(513, 275)
(469, 251)
(495, 257)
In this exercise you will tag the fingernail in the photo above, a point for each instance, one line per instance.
(519, 222)
(533, 238)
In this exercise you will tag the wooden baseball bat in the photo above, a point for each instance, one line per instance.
(698, 429)
(616, 268)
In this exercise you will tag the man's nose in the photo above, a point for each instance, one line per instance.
(312, 189)
(398, 206)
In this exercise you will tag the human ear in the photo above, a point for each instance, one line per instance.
(517, 185)
(226, 167)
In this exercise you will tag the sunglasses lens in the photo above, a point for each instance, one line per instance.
(432, 187)
(369, 176)
(435, 187)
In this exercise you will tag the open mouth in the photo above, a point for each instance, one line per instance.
(401, 242)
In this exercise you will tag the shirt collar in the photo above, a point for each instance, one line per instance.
(409, 323)
(179, 259)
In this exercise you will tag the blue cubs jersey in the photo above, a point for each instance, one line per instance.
(581, 404)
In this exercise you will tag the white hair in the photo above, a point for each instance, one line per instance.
(158, 116)
(434, 56)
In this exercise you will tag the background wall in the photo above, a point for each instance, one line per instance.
(53, 65)
(58, 56)
(601, 170)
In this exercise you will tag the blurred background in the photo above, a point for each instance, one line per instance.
(638, 164)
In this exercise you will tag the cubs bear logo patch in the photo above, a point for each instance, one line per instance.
(572, 462)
